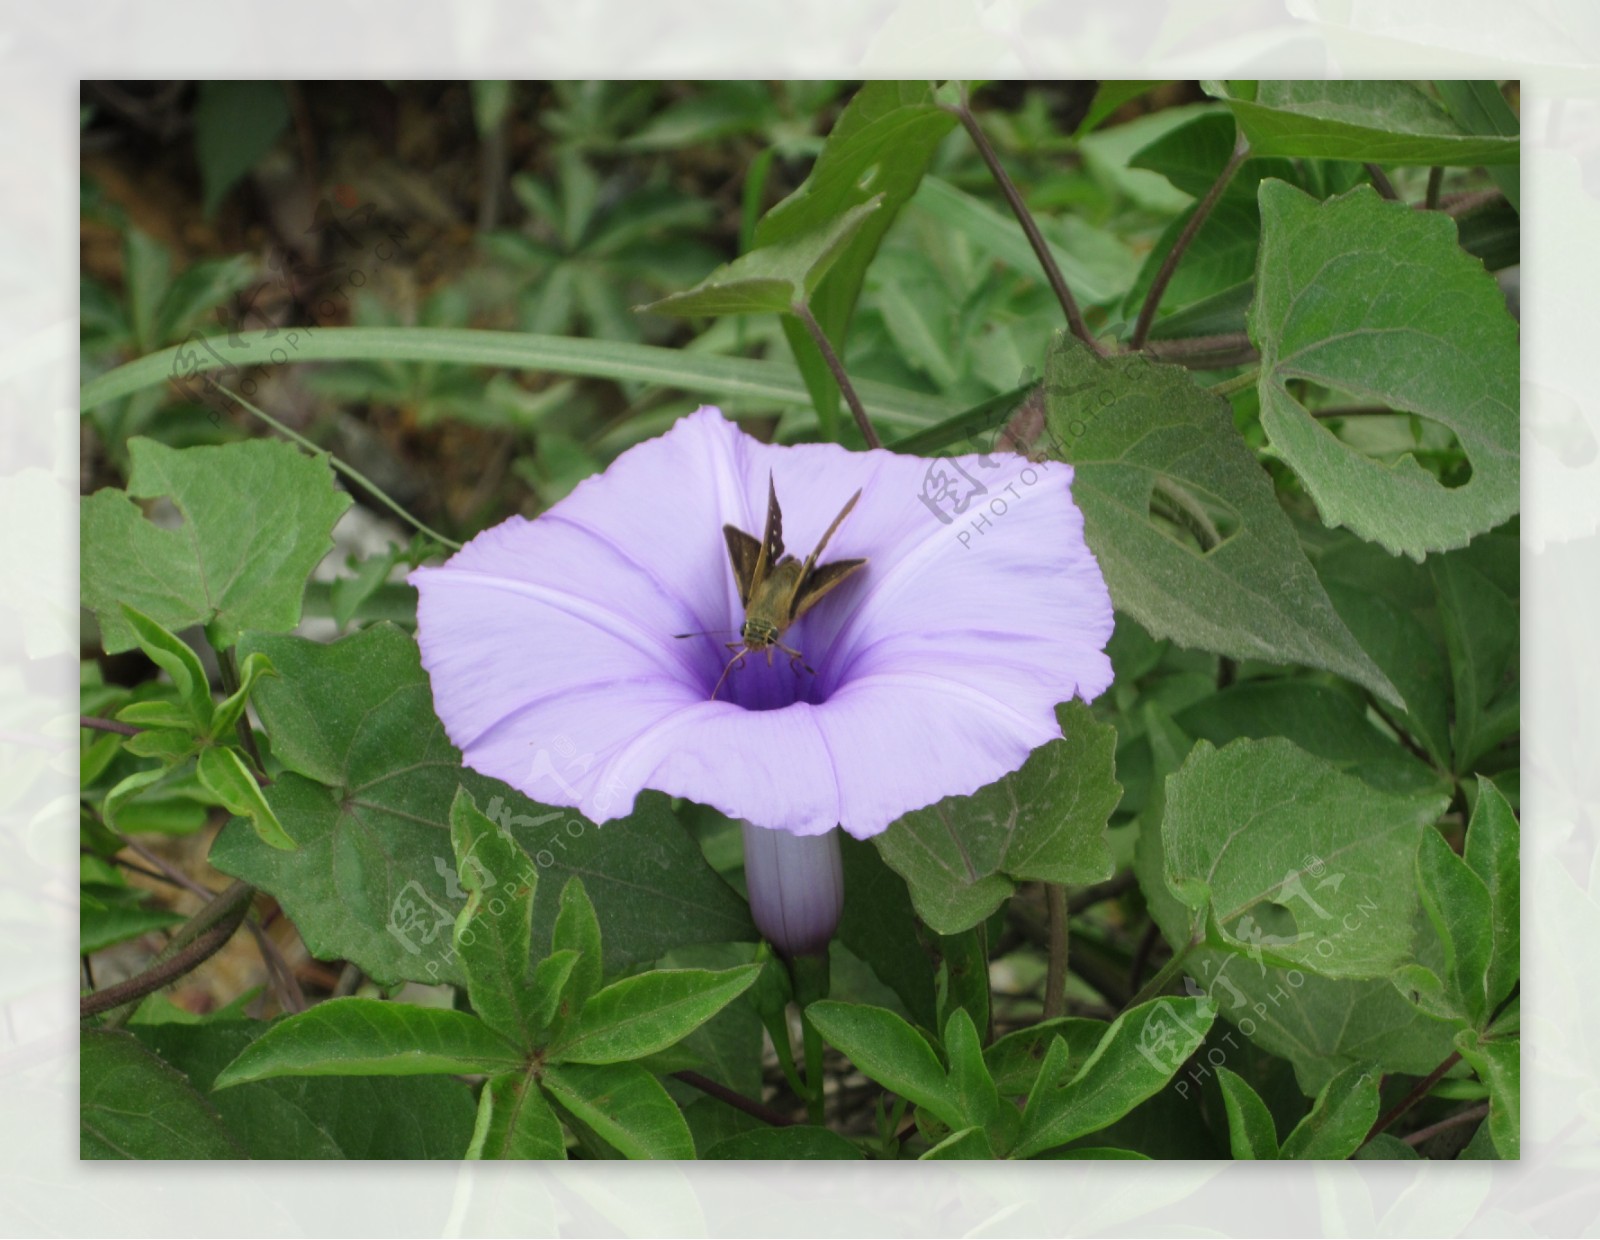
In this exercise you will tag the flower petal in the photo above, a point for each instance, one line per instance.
(552, 650)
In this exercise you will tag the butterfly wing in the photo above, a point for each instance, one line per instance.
(815, 580)
(752, 561)
(745, 553)
(820, 580)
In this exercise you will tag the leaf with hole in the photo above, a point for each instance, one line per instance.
(1374, 299)
(1284, 859)
(1185, 525)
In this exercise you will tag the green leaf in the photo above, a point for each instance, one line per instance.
(880, 928)
(493, 931)
(369, 780)
(145, 268)
(726, 379)
(226, 777)
(881, 145)
(1379, 121)
(889, 1051)
(1458, 905)
(132, 1105)
(1481, 629)
(227, 714)
(548, 989)
(110, 915)
(1096, 265)
(1108, 97)
(775, 278)
(1407, 654)
(965, 976)
(963, 856)
(1493, 851)
(257, 517)
(174, 657)
(235, 124)
(964, 1143)
(1194, 154)
(1498, 1063)
(317, 1117)
(1330, 722)
(1318, 1024)
(515, 1121)
(1479, 108)
(199, 289)
(1015, 1060)
(123, 790)
(1340, 1119)
(1322, 1025)
(625, 1105)
(370, 1037)
(1387, 1147)
(1372, 298)
(1251, 1134)
(1139, 1054)
(976, 1095)
(577, 929)
(796, 1141)
(1144, 441)
(1290, 861)
(649, 1012)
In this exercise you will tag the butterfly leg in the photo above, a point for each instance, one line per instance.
(734, 662)
(796, 659)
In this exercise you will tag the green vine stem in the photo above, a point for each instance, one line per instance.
(371, 487)
(1047, 261)
(1055, 981)
(196, 941)
(1158, 286)
(1169, 973)
(836, 367)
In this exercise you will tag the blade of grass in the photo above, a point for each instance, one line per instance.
(602, 359)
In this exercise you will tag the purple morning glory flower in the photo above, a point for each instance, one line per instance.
(930, 672)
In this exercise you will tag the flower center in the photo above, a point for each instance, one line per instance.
(766, 676)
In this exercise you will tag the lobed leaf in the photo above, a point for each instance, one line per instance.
(1374, 299)
(257, 518)
(369, 781)
(1183, 521)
